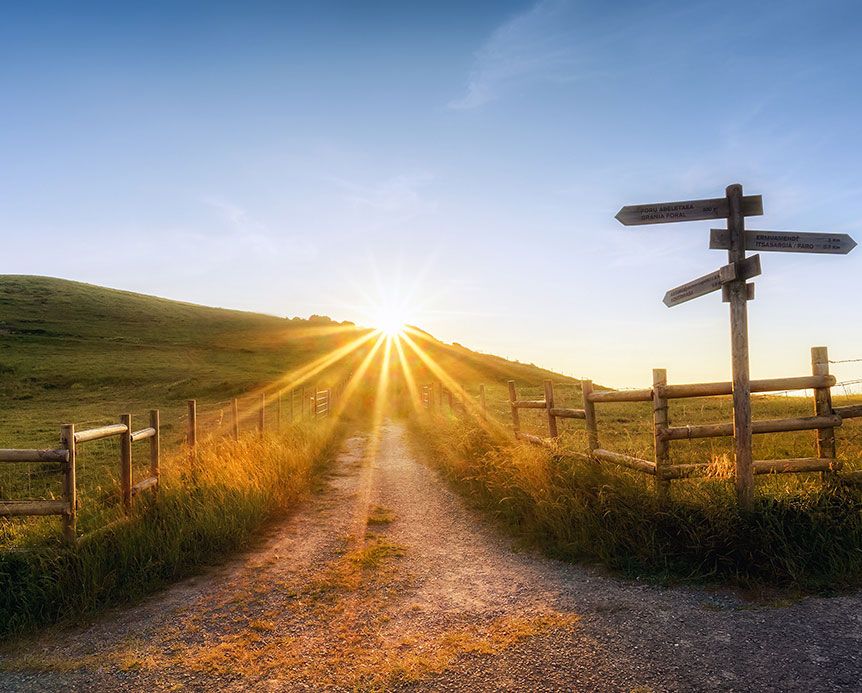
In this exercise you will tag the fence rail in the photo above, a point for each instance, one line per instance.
(323, 403)
(825, 420)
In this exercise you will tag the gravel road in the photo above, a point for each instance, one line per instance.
(385, 580)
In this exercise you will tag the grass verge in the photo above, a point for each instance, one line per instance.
(799, 536)
(195, 519)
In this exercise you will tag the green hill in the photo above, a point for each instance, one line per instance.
(77, 352)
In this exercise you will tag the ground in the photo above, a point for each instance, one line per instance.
(385, 580)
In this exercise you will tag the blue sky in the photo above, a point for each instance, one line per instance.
(290, 158)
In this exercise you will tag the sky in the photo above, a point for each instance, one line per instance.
(462, 160)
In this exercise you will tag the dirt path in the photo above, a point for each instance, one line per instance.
(387, 581)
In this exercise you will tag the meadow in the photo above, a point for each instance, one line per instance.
(801, 535)
(76, 353)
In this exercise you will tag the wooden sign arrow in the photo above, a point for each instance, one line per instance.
(687, 210)
(786, 241)
(748, 268)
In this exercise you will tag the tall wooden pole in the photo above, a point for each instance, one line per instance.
(70, 486)
(549, 405)
(513, 397)
(590, 417)
(126, 462)
(483, 401)
(738, 294)
(826, 448)
(661, 421)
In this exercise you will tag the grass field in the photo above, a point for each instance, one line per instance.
(627, 427)
(75, 353)
(800, 535)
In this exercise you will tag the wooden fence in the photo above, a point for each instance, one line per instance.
(824, 422)
(321, 404)
(66, 456)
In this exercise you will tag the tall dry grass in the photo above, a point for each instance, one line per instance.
(800, 535)
(200, 514)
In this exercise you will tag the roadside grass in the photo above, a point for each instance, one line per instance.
(198, 516)
(801, 535)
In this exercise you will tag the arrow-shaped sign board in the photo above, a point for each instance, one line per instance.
(748, 268)
(687, 210)
(786, 241)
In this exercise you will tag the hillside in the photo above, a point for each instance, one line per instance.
(73, 352)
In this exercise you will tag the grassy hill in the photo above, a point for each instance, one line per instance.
(73, 352)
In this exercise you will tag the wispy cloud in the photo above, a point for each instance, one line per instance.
(393, 200)
(538, 44)
(242, 230)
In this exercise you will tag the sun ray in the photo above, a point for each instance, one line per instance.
(472, 407)
(415, 398)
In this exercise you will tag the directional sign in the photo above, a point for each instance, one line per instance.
(786, 241)
(687, 210)
(748, 268)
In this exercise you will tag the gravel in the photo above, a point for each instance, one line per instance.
(442, 571)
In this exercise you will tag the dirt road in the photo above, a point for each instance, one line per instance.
(386, 581)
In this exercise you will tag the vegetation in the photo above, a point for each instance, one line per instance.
(800, 535)
(72, 352)
(200, 513)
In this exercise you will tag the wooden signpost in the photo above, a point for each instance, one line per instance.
(786, 241)
(732, 280)
(748, 268)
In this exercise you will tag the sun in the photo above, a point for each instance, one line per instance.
(390, 320)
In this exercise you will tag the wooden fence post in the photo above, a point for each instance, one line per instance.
(549, 405)
(329, 401)
(234, 409)
(261, 415)
(482, 401)
(449, 400)
(826, 448)
(661, 421)
(155, 446)
(590, 417)
(70, 488)
(516, 419)
(292, 395)
(126, 462)
(738, 294)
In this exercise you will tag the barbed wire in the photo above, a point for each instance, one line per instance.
(846, 361)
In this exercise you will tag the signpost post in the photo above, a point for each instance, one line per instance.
(731, 279)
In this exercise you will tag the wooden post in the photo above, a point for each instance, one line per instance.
(590, 417)
(292, 396)
(513, 397)
(661, 421)
(234, 412)
(70, 487)
(826, 448)
(126, 462)
(329, 401)
(261, 416)
(483, 403)
(155, 445)
(549, 404)
(449, 400)
(738, 294)
(192, 433)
